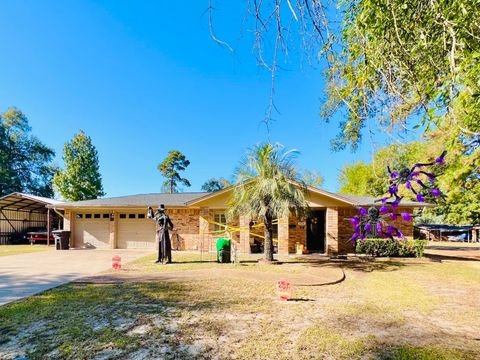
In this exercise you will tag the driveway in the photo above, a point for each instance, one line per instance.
(26, 274)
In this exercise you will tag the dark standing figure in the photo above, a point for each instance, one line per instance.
(163, 237)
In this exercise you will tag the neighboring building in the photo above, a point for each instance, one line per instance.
(20, 213)
(443, 232)
(121, 222)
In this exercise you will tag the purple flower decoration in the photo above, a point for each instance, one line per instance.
(378, 227)
(363, 212)
(420, 198)
(408, 185)
(393, 189)
(394, 175)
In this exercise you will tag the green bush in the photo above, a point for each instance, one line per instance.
(392, 248)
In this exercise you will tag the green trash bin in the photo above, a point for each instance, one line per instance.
(223, 250)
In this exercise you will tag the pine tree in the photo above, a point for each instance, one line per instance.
(80, 179)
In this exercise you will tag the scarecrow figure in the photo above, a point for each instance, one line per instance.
(163, 237)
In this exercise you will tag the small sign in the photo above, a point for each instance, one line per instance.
(117, 262)
(284, 288)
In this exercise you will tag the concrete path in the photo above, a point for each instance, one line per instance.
(26, 274)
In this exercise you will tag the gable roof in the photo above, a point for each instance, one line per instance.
(139, 200)
(353, 200)
(27, 202)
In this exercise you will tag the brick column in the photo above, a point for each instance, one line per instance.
(113, 230)
(244, 235)
(332, 231)
(283, 236)
(68, 225)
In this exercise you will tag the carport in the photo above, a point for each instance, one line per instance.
(20, 213)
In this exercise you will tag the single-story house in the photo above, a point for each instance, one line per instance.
(121, 222)
(21, 213)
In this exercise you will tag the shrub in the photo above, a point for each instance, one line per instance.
(392, 248)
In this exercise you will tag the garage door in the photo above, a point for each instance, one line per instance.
(92, 230)
(135, 231)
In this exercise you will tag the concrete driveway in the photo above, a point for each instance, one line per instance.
(26, 274)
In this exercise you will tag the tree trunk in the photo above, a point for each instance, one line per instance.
(268, 244)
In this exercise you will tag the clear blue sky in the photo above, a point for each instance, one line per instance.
(144, 77)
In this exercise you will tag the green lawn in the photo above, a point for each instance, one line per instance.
(22, 249)
(405, 309)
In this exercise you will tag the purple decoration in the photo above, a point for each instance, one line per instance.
(420, 198)
(363, 212)
(441, 159)
(431, 177)
(354, 237)
(355, 221)
(383, 209)
(368, 228)
(408, 185)
(391, 230)
(394, 174)
(414, 174)
(378, 228)
(395, 204)
(400, 234)
(407, 217)
(393, 189)
(436, 192)
(419, 182)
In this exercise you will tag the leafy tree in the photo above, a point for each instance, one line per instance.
(25, 162)
(81, 179)
(267, 189)
(174, 163)
(312, 178)
(213, 185)
(354, 178)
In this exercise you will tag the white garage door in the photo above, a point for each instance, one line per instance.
(92, 230)
(135, 231)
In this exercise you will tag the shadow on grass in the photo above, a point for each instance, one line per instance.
(441, 257)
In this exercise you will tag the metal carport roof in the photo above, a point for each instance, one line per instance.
(26, 202)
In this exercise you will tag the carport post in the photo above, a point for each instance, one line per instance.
(48, 227)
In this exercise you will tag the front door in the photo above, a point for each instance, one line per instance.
(316, 231)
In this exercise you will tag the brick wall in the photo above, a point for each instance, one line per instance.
(332, 230)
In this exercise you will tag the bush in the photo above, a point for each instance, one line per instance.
(392, 248)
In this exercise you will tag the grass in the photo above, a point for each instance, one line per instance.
(405, 309)
(6, 250)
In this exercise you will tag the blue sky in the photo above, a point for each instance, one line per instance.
(142, 78)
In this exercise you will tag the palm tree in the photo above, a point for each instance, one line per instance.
(268, 188)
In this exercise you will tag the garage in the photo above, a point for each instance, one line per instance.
(92, 230)
(135, 231)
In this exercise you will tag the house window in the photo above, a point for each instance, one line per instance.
(123, 216)
(78, 216)
(88, 216)
(96, 216)
(106, 216)
(131, 216)
(219, 218)
(141, 216)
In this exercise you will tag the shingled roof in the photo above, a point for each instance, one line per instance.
(140, 200)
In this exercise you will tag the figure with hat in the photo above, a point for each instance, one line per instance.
(163, 237)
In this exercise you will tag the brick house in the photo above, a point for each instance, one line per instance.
(121, 222)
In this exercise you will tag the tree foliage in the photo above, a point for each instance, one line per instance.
(25, 162)
(212, 185)
(174, 163)
(312, 178)
(401, 59)
(268, 188)
(80, 179)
